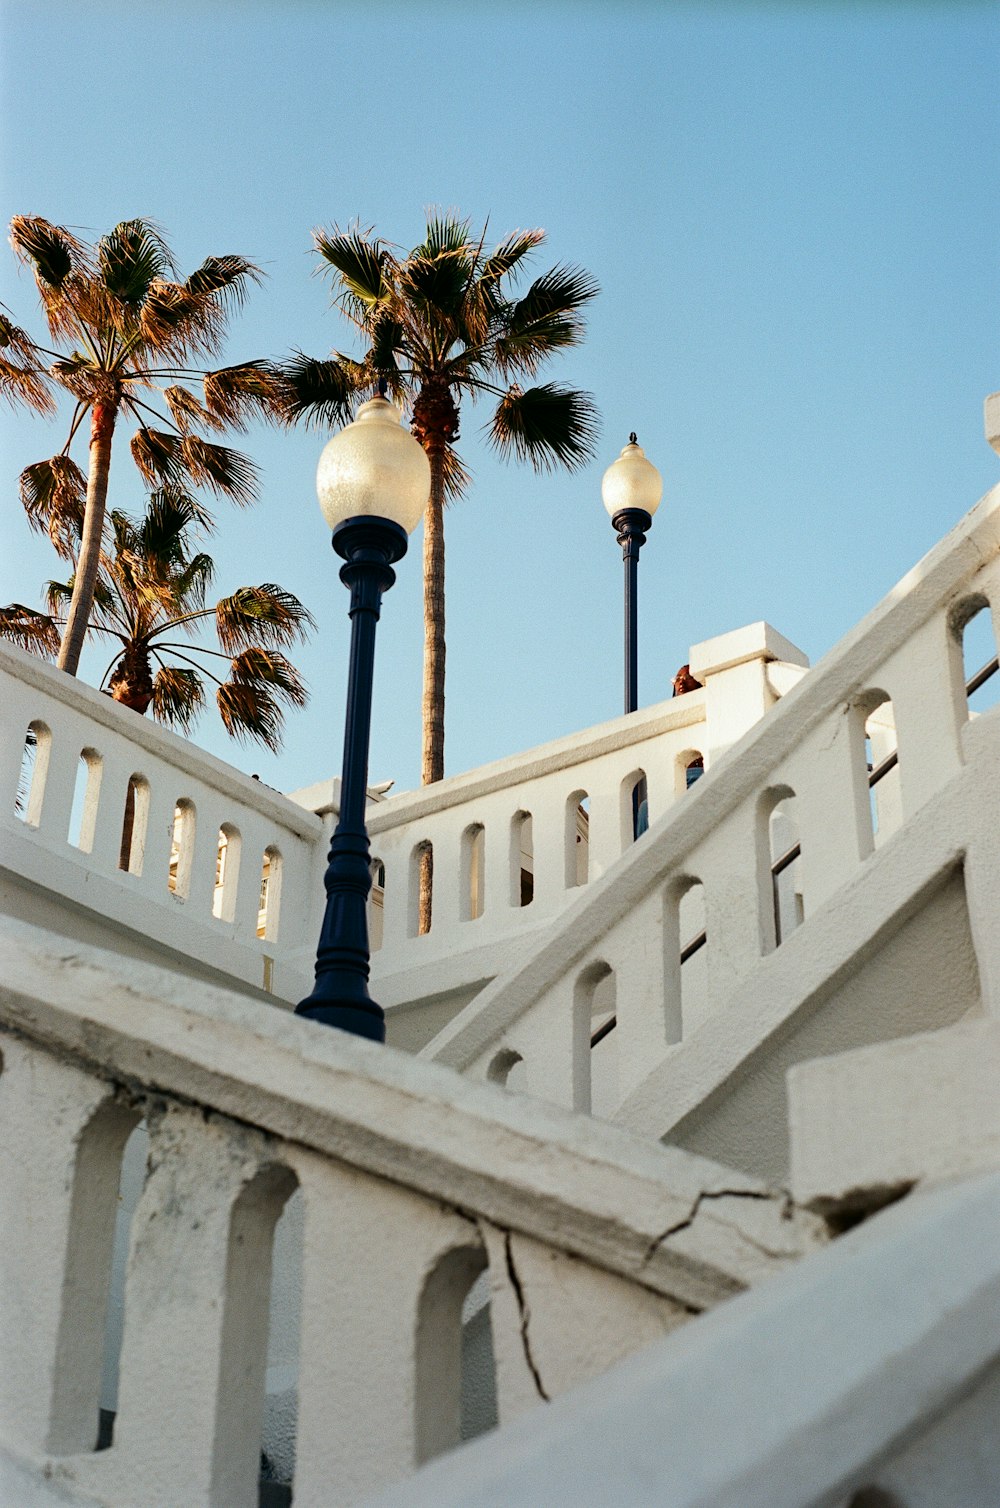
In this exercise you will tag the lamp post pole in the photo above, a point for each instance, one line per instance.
(631, 524)
(631, 489)
(373, 463)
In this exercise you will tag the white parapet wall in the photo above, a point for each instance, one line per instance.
(702, 1037)
(412, 1181)
(866, 1377)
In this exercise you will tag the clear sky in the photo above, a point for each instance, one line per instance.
(792, 211)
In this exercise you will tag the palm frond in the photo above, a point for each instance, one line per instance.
(261, 615)
(250, 701)
(446, 232)
(158, 455)
(132, 257)
(457, 477)
(178, 697)
(546, 425)
(176, 322)
(509, 254)
(61, 265)
(51, 250)
(58, 596)
(436, 287)
(36, 632)
(54, 496)
(226, 471)
(235, 394)
(78, 375)
(548, 318)
(193, 507)
(226, 279)
(22, 373)
(185, 408)
(357, 261)
(320, 392)
(191, 584)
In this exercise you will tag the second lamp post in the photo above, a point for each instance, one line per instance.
(631, 489)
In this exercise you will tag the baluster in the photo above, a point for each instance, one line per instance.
(61, 1141)
(209, 814)
(378, 1370)
(117, 767)
(605, 825)
(194, 1344)
(637, 949)
(830, 782)
(727, 866)
(928, 701)
(548, 839)
(60, 781)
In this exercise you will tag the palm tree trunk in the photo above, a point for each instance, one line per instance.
(102, 428)
(435, 425)
(432, 767)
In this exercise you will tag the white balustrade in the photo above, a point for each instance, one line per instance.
(811, 746)
(412, 1183)
(163, 898)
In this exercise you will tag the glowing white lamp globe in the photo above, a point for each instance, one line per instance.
(632, 482)
(374, 467)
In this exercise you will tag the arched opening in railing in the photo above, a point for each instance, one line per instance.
(376, 906)
(253, 1323)
(689, 766)
(522, 860)
(454, 1379)
(281, 1399)
(972, 623)
(182, 849)
(34, 770)
(690, 930)
(473, 872)
(86, 794)
(508, 1069)
(779, 812)
(421, 889)
(577, 839)
(135, 819)
(593, 1009)
(269, 904)
(633, 804)
(227, 872)
(881, 765)
(91, 1320)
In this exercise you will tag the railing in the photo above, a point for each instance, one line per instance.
(131, 829)
(515, 843)
(410, 1183)
(624, 940)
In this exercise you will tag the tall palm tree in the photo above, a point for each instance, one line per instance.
(442, 324)
(150, 597)
(127, 326)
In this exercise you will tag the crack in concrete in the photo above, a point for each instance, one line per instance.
(703, 1197)
(525, 1314)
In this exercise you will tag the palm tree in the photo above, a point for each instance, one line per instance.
(127, 326)
(150, 598)
(441, 325)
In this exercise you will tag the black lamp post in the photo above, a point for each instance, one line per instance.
(373, 482)
(631, 489)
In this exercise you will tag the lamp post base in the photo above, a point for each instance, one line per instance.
(360, 1020)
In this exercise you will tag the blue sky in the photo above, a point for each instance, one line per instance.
(792, 214)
